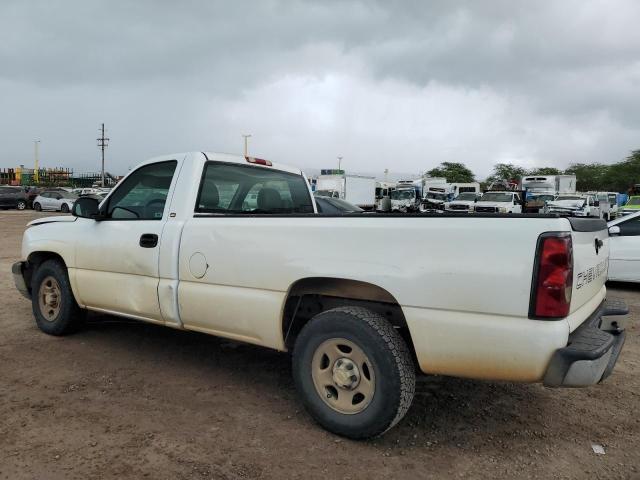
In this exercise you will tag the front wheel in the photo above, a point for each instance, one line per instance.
(37, 207)
(64, 208)
(54, 306)
(354, 372)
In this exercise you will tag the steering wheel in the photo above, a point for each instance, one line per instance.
(148, 208)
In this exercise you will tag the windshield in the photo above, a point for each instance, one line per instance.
(634, 201)
(70, 196)
(496, 197)
(467, 197)
(436, 196)
(403, 194)
(325, 193)
(570, 197)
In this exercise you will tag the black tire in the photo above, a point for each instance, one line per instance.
(70, 316)
(37, 207)
(64, 208)
(392, 364)
(21, 205)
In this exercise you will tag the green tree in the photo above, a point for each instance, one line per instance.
(591, 176)
(622, 176)
(506, 171)
(453, 172)
(544, 171)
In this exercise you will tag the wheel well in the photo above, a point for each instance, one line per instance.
(33, 262)
(310, 296)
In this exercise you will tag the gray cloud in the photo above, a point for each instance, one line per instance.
(397, 84)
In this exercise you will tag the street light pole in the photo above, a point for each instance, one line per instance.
(246, 143)
(36, 174)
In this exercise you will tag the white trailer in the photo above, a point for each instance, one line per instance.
(356, 189)
(548, 184)
(458, 188)
(361, 191)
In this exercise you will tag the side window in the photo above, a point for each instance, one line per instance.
(231, 188)
(142, 196)
(630, 228)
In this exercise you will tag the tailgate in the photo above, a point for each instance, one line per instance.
(590, 239)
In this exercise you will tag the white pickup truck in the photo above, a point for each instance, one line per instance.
(176, 243)
(499, 202)
(575, 205)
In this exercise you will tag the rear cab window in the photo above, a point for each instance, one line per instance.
(228, 188)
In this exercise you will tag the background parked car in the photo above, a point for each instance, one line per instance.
(336, 206)
(58, 200)
(632, 205)
(13, 197)
(624, 248)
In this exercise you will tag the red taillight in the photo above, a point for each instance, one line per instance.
(554, 281)
(259, 161)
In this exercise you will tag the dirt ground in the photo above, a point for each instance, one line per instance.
(130, 400)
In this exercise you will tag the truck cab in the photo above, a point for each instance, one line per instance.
(575, 206)
(499, 202)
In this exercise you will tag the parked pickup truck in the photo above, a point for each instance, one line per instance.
(176, 244)
(499, 202)
(575, 205)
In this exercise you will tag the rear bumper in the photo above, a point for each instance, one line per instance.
(592, 350)
(17, 269)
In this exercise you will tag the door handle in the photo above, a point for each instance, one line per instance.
(148, 240)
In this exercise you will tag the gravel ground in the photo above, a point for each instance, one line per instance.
(129, 400)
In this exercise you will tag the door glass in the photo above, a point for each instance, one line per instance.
(630, 228)
(142, 196)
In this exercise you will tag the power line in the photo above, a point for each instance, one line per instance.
(103, 142)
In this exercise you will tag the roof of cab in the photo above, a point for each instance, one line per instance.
(221, 157)
(229, 158)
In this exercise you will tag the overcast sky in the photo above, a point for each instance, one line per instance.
(402, 85)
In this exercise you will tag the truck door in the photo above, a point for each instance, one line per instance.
(517, 204)
(227, 284)
(593, 210)
(117, 259)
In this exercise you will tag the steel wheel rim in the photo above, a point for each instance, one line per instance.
(343, 376)
(49, 298)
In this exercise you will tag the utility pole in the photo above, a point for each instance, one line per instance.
(246, 143)
(36, 174)
(103, 142)
(339, 162)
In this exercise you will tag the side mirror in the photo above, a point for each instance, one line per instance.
(85, 207)
(615, 230)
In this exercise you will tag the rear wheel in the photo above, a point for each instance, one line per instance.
(54, 306)
(37, 207)
(21, 205)
(354, 372)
